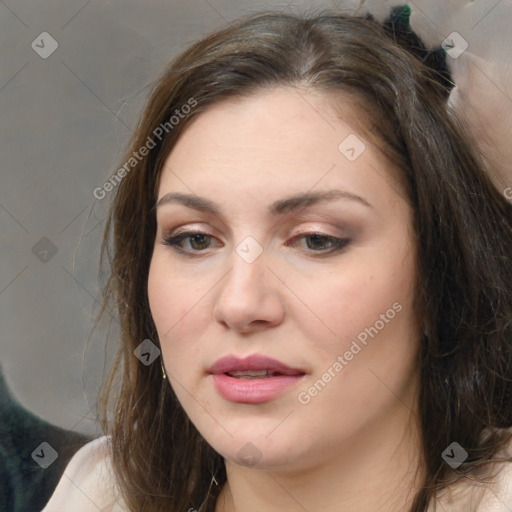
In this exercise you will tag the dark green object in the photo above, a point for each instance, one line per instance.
(398, 27)
(402, 14)
(24, 485)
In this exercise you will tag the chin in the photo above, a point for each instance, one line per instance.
(253, 447)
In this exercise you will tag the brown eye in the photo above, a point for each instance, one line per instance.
(198, 241)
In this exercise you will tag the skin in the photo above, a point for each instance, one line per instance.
(353, 446)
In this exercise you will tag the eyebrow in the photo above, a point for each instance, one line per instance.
(280, 207)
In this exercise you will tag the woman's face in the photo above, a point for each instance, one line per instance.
(322, 286)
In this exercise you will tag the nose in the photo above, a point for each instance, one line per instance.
(249, 296)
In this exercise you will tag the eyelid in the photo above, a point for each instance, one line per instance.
(200, 231)
(313, 231)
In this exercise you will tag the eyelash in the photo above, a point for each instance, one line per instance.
(174, 241)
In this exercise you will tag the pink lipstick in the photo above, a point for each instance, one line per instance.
(254, 379)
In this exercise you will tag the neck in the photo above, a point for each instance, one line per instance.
(379, 468)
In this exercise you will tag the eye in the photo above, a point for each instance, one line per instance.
(198, 241)
(324, 244)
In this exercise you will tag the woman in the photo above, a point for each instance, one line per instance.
(303, 232)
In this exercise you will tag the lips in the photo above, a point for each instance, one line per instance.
(255, 366)
(253, 380)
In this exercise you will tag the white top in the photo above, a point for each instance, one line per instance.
(88, 482)
(88, 485)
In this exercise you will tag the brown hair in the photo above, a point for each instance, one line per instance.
(463, 230)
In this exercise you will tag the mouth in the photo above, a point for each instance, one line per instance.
(253, 380)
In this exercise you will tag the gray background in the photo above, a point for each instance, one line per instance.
(65, 120)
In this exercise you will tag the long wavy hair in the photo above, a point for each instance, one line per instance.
(463, 232)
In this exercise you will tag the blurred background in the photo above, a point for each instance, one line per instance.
(74, 77)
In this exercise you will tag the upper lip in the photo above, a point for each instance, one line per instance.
(232, 363)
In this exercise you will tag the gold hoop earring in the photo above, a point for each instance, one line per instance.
(164, 376)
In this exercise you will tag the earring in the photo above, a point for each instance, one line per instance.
(164, 376)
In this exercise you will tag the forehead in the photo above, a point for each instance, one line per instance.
(280, 140)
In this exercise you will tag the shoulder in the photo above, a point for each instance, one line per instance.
(474, 495)
(498, 494)
(88, 482)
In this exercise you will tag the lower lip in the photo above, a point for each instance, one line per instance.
(253, 391)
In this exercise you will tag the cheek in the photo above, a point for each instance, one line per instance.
(162, 299)
(376, 337)
(171, 296)
(344, 304)
(178, 312)
(167, 303)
